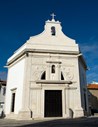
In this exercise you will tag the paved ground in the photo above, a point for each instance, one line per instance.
(80, 122)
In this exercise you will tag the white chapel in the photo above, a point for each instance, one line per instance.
(47, 77)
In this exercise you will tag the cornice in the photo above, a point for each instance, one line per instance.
(27, 51)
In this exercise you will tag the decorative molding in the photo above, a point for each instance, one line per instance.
(27, 50)
(53, 82)
(68, 73)
(13, 89)
(37, 71)
(56, 62)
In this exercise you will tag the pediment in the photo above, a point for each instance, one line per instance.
(47, 37)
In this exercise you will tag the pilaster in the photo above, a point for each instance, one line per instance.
(25, 112)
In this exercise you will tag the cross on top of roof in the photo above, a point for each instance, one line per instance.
(53, 15)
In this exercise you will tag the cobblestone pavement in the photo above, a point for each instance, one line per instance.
(80, 122)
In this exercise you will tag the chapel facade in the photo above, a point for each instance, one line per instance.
(47, 77)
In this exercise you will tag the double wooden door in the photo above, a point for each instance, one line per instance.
(53, 103)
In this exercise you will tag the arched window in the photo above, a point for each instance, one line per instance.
(53, 32)
(53, 69)
(62, 77)
(43, 76)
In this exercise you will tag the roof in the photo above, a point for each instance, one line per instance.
(92, 86)
(46, 42)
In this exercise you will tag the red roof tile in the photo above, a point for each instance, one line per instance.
(92, 86)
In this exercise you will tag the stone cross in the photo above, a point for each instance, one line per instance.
(53, 15)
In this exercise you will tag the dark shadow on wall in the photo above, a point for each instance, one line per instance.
(93, 102)
(2, 114)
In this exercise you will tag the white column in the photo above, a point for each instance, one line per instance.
(64, 103)
(25, 112)
(48, 72)
(67, 102)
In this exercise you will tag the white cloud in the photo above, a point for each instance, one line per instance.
(92, 74)
(90, 51)
(92, 77)
(89, 48)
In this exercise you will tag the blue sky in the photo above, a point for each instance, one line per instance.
(20, 19)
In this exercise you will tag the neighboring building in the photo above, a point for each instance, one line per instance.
(47, 77)
(2, 93)
(93, 97)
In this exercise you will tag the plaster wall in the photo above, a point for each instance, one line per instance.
(15, 84)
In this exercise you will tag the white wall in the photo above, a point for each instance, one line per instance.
(70, 68)
(15, 81)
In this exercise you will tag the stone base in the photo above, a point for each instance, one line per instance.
(79, 113)
(11, 116)
(24, 115)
